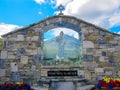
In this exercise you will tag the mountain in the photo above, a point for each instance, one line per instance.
(71, 47)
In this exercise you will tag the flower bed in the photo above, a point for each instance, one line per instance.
(109, 84)
(15, 86)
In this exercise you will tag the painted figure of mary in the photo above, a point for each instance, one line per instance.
(61, 43)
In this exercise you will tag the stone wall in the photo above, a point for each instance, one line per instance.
(101, 51)
(22, 53)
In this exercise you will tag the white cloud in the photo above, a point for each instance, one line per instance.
(70, 32)
(115, 19)
(99, 12)
(5, 28)
(39, 1)
(39, 12)
(63, 2)
(118, 32)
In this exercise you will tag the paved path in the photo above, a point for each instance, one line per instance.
(86, 87)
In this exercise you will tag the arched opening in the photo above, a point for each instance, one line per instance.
(61, 43)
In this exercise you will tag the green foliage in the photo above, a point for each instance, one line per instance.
(0, 43)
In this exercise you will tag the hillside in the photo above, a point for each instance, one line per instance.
(71, 45)
(0, 43)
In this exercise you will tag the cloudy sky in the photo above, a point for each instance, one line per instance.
(19, 13)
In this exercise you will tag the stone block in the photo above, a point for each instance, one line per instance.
(20, 38)
(118, 73)
(31, 45)
(116, 54)
(97, 53)
(33, 68)
(14, 67)
(81, 72)
(108, 38)
(2, 72)
(111, 59)
(15, 77)
(20, 52)
(43, 73)
(88, 58)
(24, 59)
(97, 70)
(105, 64)
(102, 46)
(12, 39)
(88, 75)
(16, 45)
(109, 73)
(24, 32)
(36, 74)
(35, 38)
(3, 54)
(34, 52)
(102, 32)
(88, 44)
(93, 75)
(36, 58)
(91, 37)
(20, 65)
(11, 56)
(102, 59)
(2, 63)
(38, 44)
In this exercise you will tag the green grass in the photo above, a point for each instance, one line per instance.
(0, 43)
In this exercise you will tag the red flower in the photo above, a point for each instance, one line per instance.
(9, 84)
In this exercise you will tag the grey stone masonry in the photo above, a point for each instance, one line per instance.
(24, 48)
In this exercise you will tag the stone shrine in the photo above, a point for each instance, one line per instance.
(27, 57)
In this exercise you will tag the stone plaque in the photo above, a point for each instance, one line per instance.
(99, 70)
(2, 72)
(62, 73)
(14, 67)
(24, 59)
(88, 44)
(3, 54)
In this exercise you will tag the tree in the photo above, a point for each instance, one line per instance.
(0, 43)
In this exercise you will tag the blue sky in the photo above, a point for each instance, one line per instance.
(19, 13)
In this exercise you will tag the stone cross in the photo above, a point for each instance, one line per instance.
(61, 8)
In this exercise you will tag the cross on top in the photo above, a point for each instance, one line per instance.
(61, 8)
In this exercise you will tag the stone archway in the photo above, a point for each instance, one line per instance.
(60, 22)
